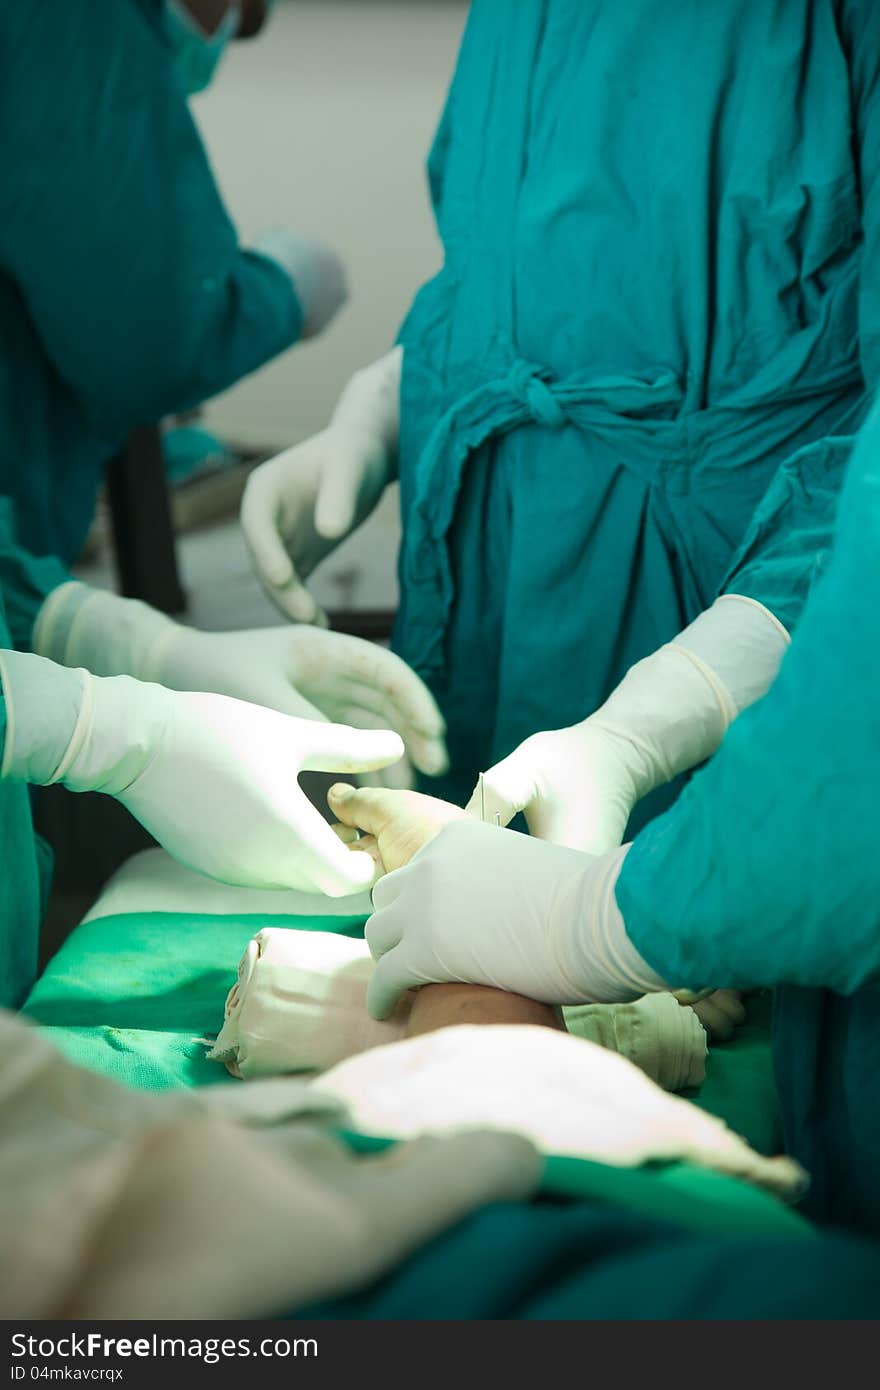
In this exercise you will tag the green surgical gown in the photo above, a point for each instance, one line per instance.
(661, 225)
(124, 294)
(766, 872)
(25, 859)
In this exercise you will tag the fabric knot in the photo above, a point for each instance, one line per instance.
(529, 387)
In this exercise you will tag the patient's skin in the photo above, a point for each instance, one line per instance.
(442, 1006)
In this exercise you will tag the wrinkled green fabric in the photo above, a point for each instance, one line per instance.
(789, 538)
(660, 224)
(739, 1081)
(124, 294)
(25, 872)
(132, 995)
(766, 872)
(585, 1261)
(25, 580)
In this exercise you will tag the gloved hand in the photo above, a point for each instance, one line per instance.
(213, 779)
(721, 1013)
(486, 906)
(397, 824)
(315, 270)
(577, 786)
(299, 506)
(296, 670)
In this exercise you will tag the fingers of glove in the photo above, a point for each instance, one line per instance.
(370, 846)
(428, 755)
(263, 524)
(489, 802)
(348, 834)
(332, 867)
(387, 983)
(279, 694)
(366, 808)
(339, 748)
(336, 505)
(729, 1001)
(715, 1021)
(260, 519)
(299, 604)
(397, 777)
(380, 681)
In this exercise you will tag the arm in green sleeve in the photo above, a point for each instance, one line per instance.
(766, 870)
(787, 544)
(25, 581)
(112, 225)
(789, 539)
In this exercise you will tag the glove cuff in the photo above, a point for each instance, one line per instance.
(671, 711)
(105, 634)
(370, 404)
(121, 724)
(589, 940)
(742, 643)
(43, 706)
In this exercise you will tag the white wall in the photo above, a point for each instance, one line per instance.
(322, 123)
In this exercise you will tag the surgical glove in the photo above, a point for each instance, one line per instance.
(486, 906)
(721, 1012)
(296, 670)
(315, 270)
(213, 779)
(577, 786)
(298, 506)
(394, 824)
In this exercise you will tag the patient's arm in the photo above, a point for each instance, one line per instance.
(442, 1006)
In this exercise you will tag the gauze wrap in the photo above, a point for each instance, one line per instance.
(299, 1005)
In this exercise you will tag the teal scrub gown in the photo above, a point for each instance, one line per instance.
(767, 872)
(124, 293)
(660, 223)
(25, 859)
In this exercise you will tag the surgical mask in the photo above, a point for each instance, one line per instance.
(197, 54)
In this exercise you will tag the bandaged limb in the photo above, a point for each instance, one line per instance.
(299, 1005)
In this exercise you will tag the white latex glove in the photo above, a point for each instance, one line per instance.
(297, 670)
(721, 1012)
(213, 779)
(298, 506)
(486, 906)
(577, 786)
(316, 271)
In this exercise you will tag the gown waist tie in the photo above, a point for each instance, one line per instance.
(527, 394)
